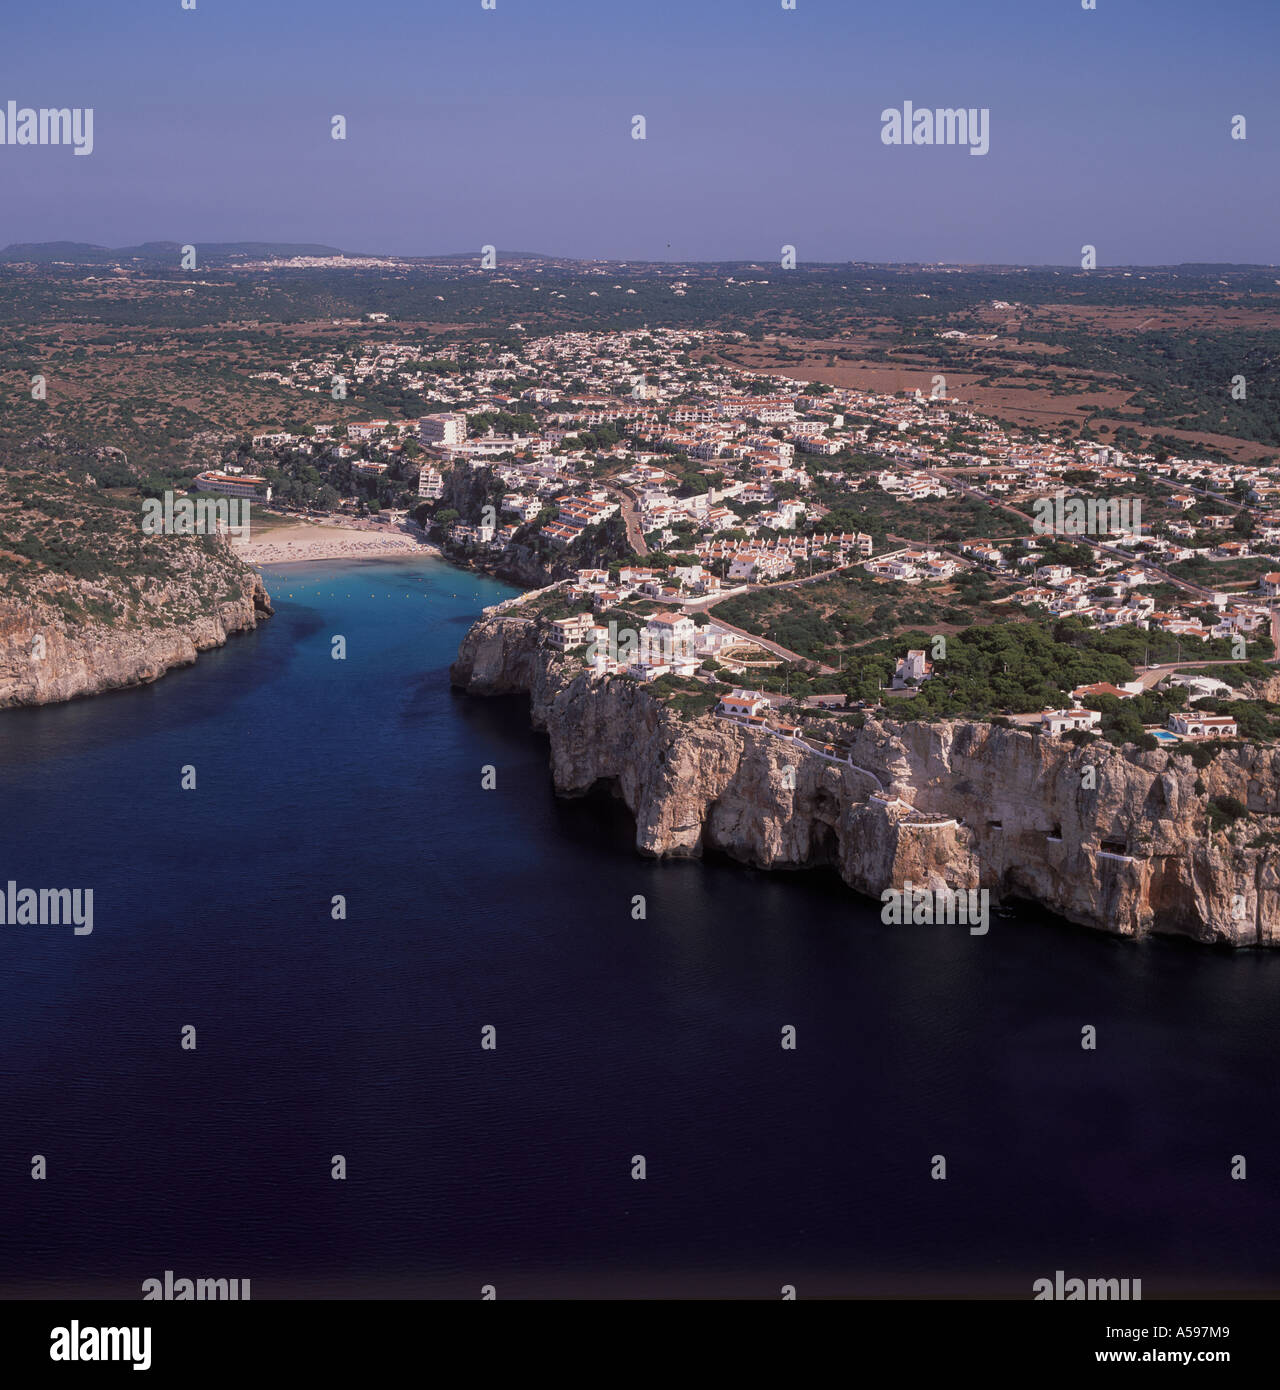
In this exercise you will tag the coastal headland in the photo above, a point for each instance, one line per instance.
(955, 804)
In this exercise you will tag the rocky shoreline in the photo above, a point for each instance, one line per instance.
(964, 805)
(43, 661)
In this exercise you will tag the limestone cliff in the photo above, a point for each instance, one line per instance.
(91, 599)
(44, 659)
(1125, 848)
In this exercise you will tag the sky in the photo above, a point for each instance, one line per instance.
(512, 127)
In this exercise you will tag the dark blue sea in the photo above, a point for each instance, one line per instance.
(361, 1037)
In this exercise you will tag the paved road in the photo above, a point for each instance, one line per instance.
(1153, 675)
(809, 578)
(775, 647)
(1201, 492)
(705, 605)
(630, 516)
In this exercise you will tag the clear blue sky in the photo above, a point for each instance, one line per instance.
(513, 127)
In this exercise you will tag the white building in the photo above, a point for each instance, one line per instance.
(570, 632)
(1191, 725)
(1200, 687)
(448, 429)
(744, 704)
(241, 485)
(670, 636)
(1057, 721)
(366, 429)
(912, 669)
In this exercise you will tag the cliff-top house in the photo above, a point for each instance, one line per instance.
(1191, 725)
(743, 704)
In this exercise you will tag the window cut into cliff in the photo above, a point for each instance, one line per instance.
(1114, 847)
(995, 825)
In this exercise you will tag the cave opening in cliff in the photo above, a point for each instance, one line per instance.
(824, 846)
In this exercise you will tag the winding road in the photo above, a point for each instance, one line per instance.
(630, 516)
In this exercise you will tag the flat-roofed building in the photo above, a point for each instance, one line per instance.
(1057, 721)
(233, 485)
(1191, 725)
(570, 632)
(447, 429)
(743, 704)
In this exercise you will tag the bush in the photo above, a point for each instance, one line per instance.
(1204, 753)
(1079, 737)
(1224, 811)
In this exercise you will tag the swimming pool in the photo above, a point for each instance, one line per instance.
(1164, 736)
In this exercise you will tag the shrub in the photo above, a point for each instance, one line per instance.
(1229, 807)
(1204, 753)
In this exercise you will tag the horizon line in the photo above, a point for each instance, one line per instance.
(319, 249)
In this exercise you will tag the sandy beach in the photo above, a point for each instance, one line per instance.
(284, 544)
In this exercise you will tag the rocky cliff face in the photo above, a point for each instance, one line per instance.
(44, 660)
(1114, 839)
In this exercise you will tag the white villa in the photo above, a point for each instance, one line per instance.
(570, 632)
(912, 669)
(743, 704)
(1191, 725)
(1058, 721)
